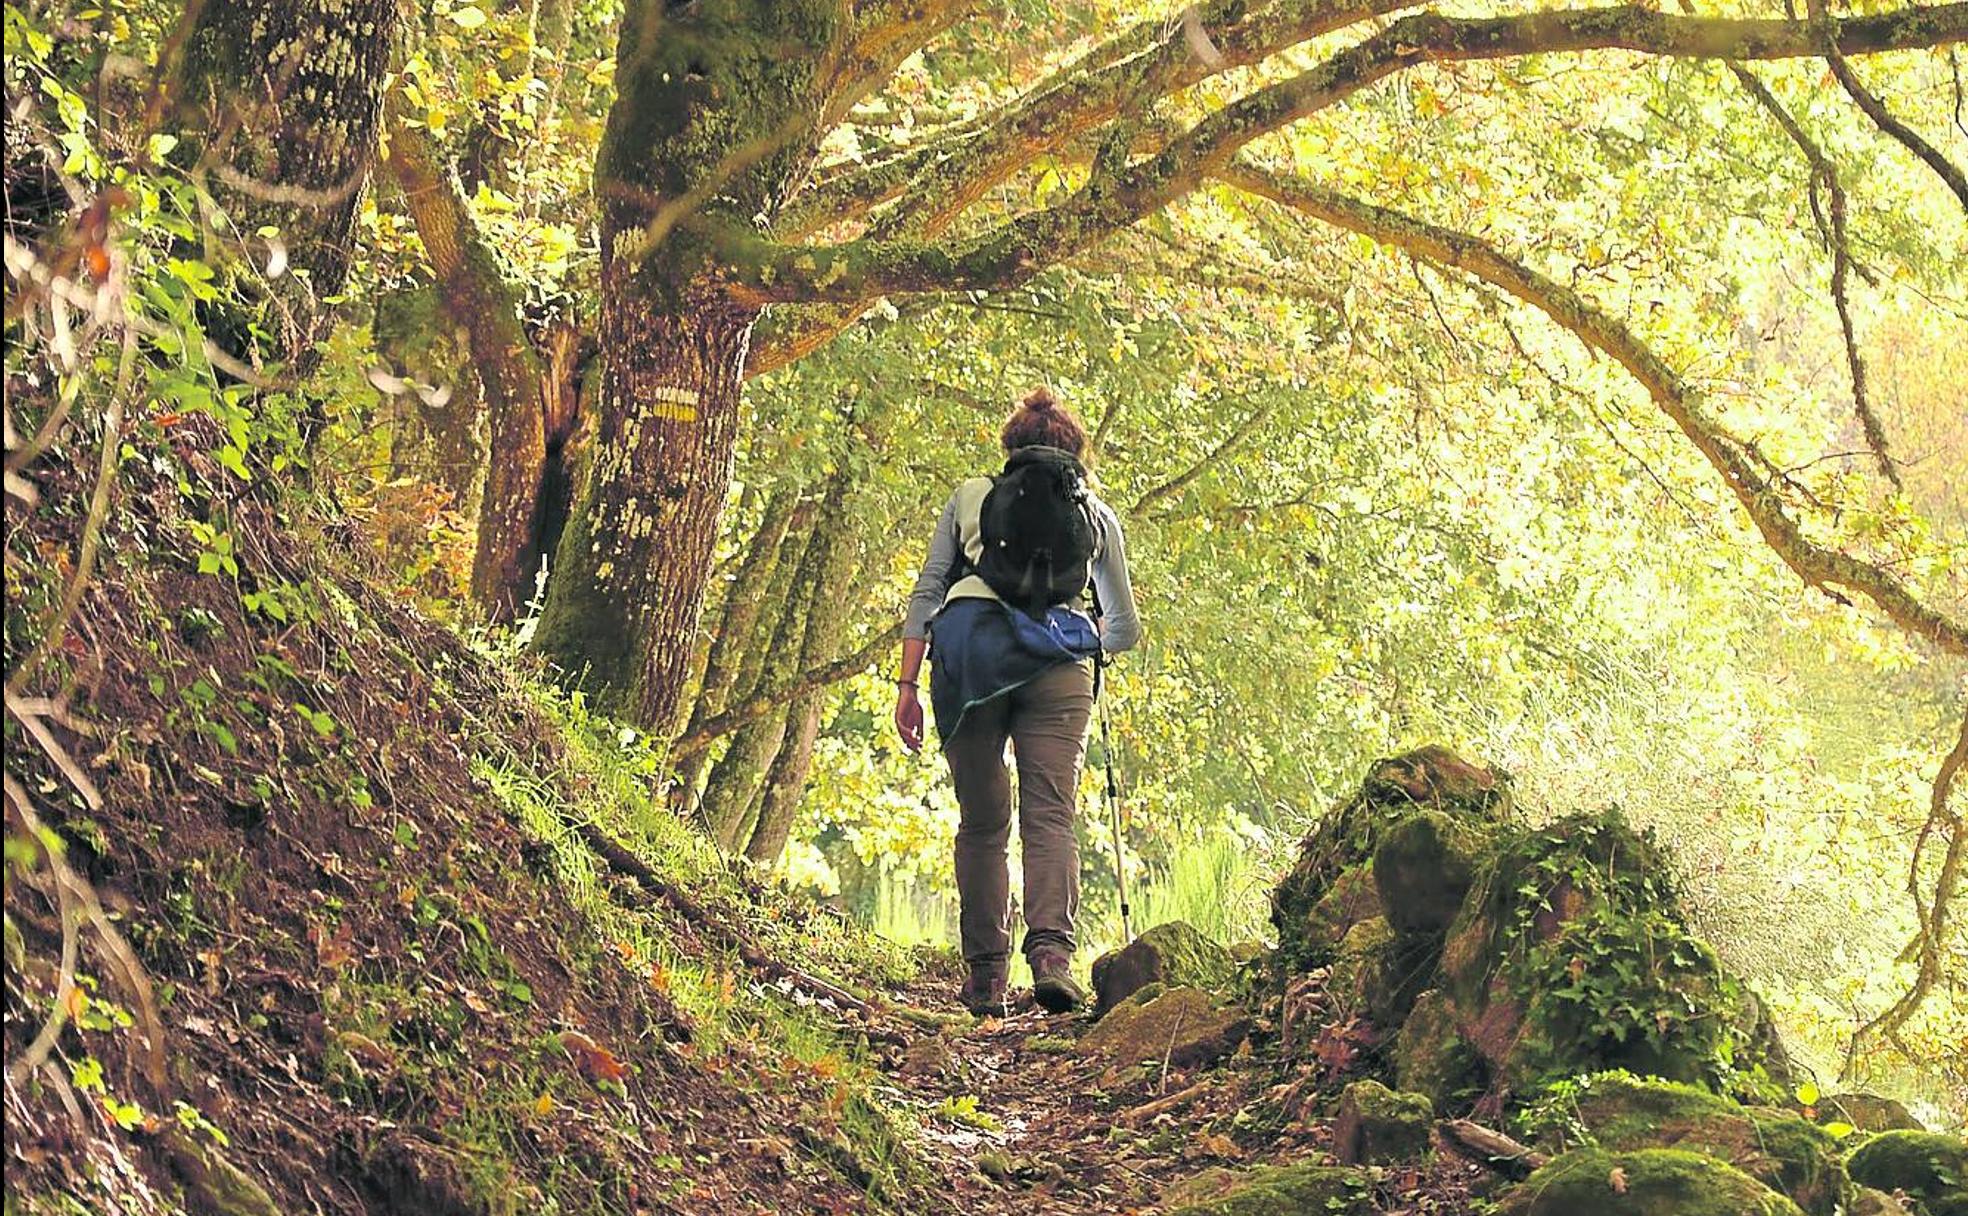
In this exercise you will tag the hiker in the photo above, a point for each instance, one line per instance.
(1001, 595)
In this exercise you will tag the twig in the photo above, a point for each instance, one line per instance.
(1876, 110)
(1493, 1150)
(114, 944)
(1147, 1111)
(85, 563)
(1932, 915)
(44, 1041)
(1824, 172)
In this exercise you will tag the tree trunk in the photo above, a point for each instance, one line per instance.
(519, 388)
(826, 622)
(714, 123)
(730, 794)
(287, 96)
(780, 800)
(623, 597)
(768, 552)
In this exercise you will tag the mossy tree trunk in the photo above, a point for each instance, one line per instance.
(731, 793)
(286, 96)
(744, 600)
(713, 123)
(826, 622)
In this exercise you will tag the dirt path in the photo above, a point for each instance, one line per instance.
(1028, 1121)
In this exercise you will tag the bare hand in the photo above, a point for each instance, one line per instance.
(909, 717)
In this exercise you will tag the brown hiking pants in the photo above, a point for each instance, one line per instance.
(1046, 721)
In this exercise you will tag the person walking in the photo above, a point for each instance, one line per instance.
(1000, 609)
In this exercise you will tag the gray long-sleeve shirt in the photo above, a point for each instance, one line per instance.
(957, 533)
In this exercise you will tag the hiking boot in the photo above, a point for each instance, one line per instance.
(1053, 986)
(983, 991)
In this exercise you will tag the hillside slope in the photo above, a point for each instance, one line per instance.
(318, 890)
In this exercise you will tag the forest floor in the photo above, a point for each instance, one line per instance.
(1028, 1121)
(393, 930)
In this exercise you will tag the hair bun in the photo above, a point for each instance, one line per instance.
(1040, 400)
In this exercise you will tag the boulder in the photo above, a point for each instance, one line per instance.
(1423, 866)
(1432, 1058)
(1360, 972)
(1183, 1025)
(1174, 954)
(1651, 1182)
(1867, 1113)
(1431, 778)
(1572, 955)
(1878, 1203)
(1927, 1166)
(1623, 1113)
(1377, 1126)
(1273, 1190)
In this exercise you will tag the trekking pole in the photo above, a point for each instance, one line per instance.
(1113, 805)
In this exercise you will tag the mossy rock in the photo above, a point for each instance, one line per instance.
(1423, 867)
(1174, 953)
(1432, 1058)
(1779, 1149)
(1377, 1126)
(1428, 778)
(1183, 1025)
(1927, 1166)
(1867, 1112)
(1273, 1190)
(1651, 1182)
(1571, 955)
(1360, 970)
(1878, 1203)
(1350, 899)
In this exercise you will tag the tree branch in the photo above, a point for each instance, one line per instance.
(780, 695)
(1149, 60)
(767, 272)
(1876, 110)
(1817, 565)
(1176, 484)
(1836, 237)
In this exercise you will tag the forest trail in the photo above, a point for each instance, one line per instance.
(1023, 1118)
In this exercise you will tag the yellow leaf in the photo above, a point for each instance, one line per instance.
(544, 1106)
(468, 18)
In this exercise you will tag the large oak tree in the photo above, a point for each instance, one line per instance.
(711, 214)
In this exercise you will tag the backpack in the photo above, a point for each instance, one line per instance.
(1038, 531)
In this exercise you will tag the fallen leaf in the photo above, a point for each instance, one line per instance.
(596, 1062)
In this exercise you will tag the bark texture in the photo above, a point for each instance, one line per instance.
(287, 96)
(514, 379)
(713, 123)
(744, 601)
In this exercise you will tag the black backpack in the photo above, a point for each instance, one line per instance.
(1038, 530)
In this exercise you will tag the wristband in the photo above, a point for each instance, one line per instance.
(906, 683)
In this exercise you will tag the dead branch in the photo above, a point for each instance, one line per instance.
(1493, 1150)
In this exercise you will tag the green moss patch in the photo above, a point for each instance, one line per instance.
(1287, 1190)
(1928, 1166)
(1625, 1113)
(1651, 1182)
